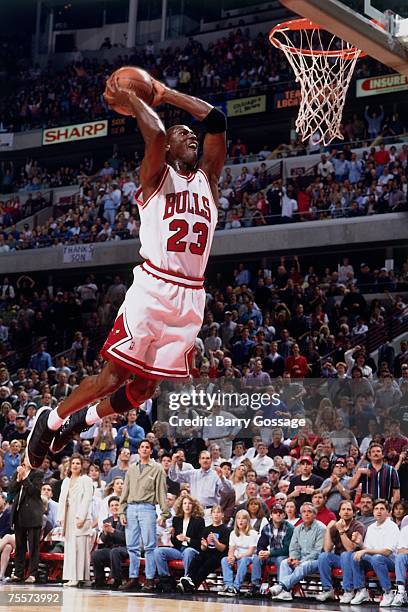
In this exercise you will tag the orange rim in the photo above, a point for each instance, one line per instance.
(296, 25)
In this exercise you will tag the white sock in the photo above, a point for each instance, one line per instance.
(55, 421)
(401, 588)
(92, 415)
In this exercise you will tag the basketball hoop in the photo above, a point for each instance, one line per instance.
(323, 64)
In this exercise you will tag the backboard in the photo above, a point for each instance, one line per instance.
(387, 42)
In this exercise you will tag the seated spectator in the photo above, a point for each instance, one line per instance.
(398, 512)
(214, 547)
(342, 537)
(242, 546)
(324, 515)
(335, 487)
(256, 514)
(304, 549)
(401, 567)
(378, 553)
(113, 551)
(188, 526)
(272, 546)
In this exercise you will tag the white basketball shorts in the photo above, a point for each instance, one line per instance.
(157, 324)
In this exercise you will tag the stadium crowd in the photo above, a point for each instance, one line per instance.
(337, 432)
(237, 64)
(106, 207)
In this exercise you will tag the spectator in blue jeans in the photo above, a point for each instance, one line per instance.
(377, 553)
(188, 525)
(304, 550)
(341, 540)
(401, 567)
(242, 546)
(144, 487)
(272, 547)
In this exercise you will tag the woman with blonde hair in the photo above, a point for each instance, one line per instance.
(242, 547)
(75, 518)
(239, 483)
(326, 415)
(186, 532)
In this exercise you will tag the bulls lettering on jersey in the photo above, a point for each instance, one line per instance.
(178, 223)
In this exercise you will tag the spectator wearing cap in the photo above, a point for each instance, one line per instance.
(302, 487)
(273, 478)
(41, 360)
(31, 412)
(324, 515)
(378, 479)
(304, 549)
(272, 547)
(341, 539)
(336, 486)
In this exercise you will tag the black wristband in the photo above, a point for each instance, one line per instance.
(215, 122)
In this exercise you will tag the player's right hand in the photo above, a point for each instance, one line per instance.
(123, 520)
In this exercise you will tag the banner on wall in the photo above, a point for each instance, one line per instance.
(78, 253)
(286, 99)
(6, 141)
(246, 106)
(374, 86)
(71, 133)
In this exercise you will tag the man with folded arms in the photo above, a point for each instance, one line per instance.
(377, 553)
(341, 540)
(304, 550)
(272, 547)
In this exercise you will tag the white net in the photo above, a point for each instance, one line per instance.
(323, 65)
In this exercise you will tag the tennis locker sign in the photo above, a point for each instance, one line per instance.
(378, 85)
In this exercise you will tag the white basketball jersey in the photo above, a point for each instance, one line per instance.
(178, 223)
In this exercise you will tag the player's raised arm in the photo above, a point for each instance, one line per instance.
(153, 131)
(214, 120)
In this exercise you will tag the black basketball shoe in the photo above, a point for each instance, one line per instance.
(76, 423)
(40, 438)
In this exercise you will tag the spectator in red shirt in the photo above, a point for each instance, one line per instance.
(296, 362)
(324, 515)
(396, 441)
(382, 157)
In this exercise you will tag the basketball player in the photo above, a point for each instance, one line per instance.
(154, 333)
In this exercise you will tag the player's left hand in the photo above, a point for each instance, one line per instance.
(159, 90)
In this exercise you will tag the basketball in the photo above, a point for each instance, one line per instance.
(134, 79)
